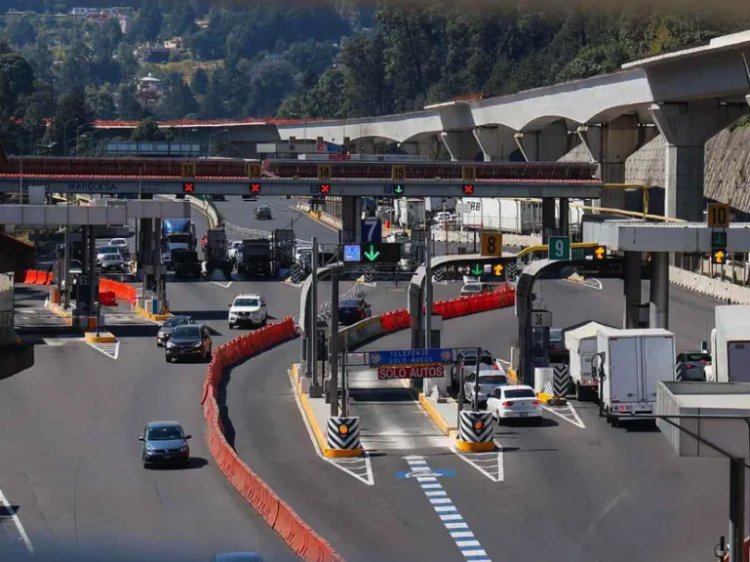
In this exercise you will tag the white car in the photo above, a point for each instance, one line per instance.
(397, 237)
(515, 401)
(441, 217)
(490, 380)
(247, 310)
(471, 289)
(118, 242)
(106, 251)
(234, 247)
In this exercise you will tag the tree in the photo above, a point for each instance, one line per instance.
(148, 130)
(127, 105)
(21, 32)
(75, 72)
(72, 118)
(199, 82)
(364, 65)
(270, 82)
(102, 103)
(178, 102)
(328, 98)
(148, 22)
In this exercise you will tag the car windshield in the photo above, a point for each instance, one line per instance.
(186, 332)
(349, 303)
(520, 393)
(118, 242)
(492, 379)
(75, 264)
(247, 302)
(472, 288)
(264, 209)
(176, 321)
(109, 250)
(164, 433)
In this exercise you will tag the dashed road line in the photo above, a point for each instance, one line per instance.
(19, 526)
(454, 523)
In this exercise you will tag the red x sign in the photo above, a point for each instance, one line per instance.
(468, 189)
(325, 188)
(254, 188)
(188, 187)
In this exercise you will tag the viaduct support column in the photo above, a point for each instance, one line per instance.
(461, 145)
(686, 128)
(549, 226)
(659, 291)
(564, 229)
(351, 213)
(609, 145)
(547, 145)
(632, 288)
(496, 143)
(424, 145)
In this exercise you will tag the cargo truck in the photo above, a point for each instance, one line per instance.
(186, 263)
(629, 364)
(581, 343)
(255, 258)
(176, 234)
(215, 253)
(730, 344)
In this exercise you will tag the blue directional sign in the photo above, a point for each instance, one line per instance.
(409, 356)
(371, 230)
(352, 253)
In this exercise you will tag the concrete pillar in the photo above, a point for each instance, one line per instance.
(546, 145)
(564, 216)
(350, 217)
(549, 226)
(497, 143)
(609, 145)
(686, 128)
(632, 289)
(659, 291)
(461, 145)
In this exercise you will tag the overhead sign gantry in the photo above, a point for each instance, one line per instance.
(219, 176)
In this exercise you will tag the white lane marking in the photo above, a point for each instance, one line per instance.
(465, 540)
(590, 283)
(360, 468)
(490, 464)
(223, 285)
(17, 522)
(568, 413)
(111, 350)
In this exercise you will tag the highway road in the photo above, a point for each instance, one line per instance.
(72, 461)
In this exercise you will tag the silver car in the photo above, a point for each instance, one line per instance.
(165, 330)
(489, 380)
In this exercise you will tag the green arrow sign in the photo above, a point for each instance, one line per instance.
(372, 254)
(398, 189)
(477, 270)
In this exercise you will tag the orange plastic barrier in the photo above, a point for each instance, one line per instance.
(307, 544)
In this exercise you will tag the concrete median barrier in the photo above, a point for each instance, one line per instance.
(300, 538)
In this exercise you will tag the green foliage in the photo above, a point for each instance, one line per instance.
(148, 130)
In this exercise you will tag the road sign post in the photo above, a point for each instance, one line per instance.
(559, 248)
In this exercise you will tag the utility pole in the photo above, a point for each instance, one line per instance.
(427, 297)
(333, 384)
(313, 355)
(475, 400)
(66, 268)
(736, 509)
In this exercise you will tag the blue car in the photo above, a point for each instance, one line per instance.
(164, 442)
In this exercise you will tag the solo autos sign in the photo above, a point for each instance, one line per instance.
(423, 371)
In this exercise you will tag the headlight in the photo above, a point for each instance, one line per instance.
(170, 344)
(184, 448)
(197, 345)
(149, 447)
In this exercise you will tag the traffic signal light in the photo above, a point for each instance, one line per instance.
(600, 252)
(719, 239)
(398, 189)
(718, 256)
(255, 188)
(188, 187)
(469, 189)
(325, 188)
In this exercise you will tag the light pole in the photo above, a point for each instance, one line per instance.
(212, 135)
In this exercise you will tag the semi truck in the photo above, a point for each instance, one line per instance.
(255, 258)
(215, 253)
(176, 234)
(515, 216)
(581, 343)
(730, 344)
(186, 263)
(629, 364)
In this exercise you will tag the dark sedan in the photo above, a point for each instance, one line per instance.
(190, 341)
(164, 442)
(353, 310)
(165, 331)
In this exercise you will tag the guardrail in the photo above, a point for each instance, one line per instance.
(303, 540)
(207, 208)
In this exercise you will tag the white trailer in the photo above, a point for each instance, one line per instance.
(515, 216)
(409, 211)
(730, 344)
(634, 361)
(581, 343)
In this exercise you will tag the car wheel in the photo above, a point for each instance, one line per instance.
(231, 326)
(146, 465)
(168, 358)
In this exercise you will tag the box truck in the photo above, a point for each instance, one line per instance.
(630, 364)
(730, 344)
(581, 343)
